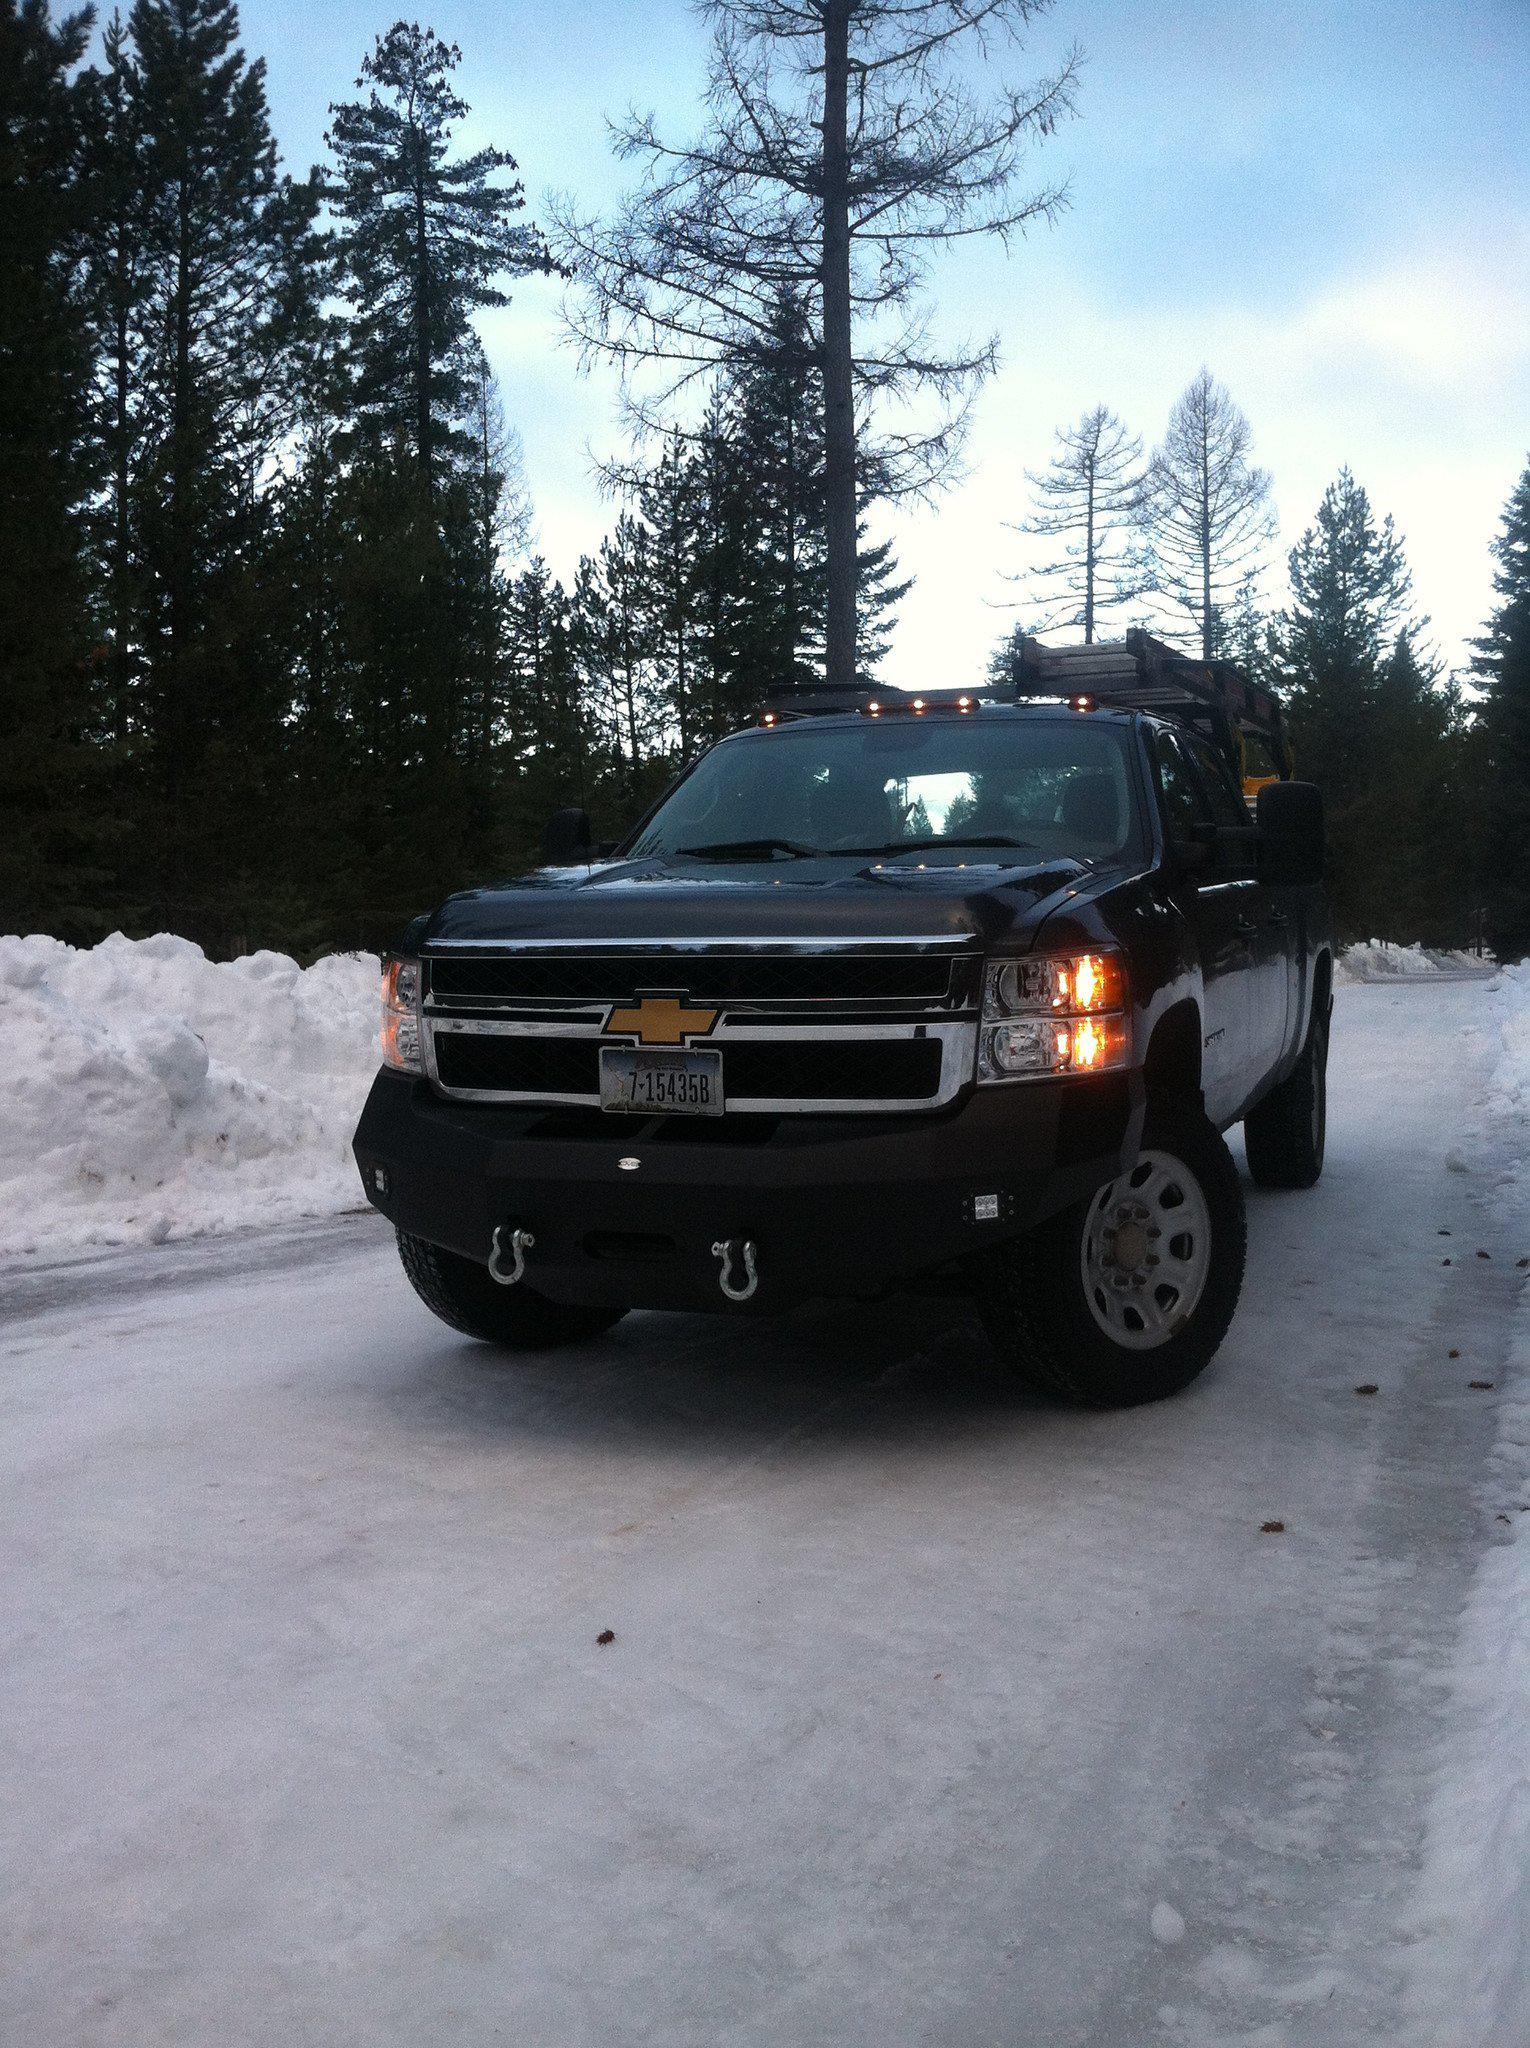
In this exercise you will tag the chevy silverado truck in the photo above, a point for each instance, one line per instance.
(959, 990)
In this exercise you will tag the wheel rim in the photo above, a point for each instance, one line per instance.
(1146, 1252)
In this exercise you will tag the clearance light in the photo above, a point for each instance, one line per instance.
(918, 704)
(769, 718)
(964, 703)
(874, 708)
(1083, 703)
(1059, 1014)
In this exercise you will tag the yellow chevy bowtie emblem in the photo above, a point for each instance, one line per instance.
(661, 1020)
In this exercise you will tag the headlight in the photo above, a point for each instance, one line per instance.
(1053, 1014)
(401, 1014)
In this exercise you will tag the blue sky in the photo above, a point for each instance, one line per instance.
(1327, 201)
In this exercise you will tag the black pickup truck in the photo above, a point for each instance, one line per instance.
(885, 991)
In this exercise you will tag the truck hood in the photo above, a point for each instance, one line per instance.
(792, 900)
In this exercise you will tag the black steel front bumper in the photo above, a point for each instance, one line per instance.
(836, 1206)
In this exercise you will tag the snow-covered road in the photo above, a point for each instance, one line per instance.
(934, 1714)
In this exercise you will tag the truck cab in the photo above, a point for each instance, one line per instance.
(887, 990)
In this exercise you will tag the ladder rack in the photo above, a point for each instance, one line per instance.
(1141, 673)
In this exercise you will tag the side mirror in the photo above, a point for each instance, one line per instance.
(1292, 842)
(566, 838)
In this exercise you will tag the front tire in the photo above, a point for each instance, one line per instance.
(1125, 1297)
(1285, 1136)
(463, 1295)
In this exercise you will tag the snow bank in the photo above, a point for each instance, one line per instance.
(1381, 960)
(1470, 1936)
(152, 1093)
(1508, 1096)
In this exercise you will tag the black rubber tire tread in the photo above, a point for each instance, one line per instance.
(1278, 1135)
(463, 1295)
(1031, 1294)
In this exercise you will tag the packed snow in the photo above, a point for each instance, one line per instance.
(153, 1093)
(933, 1711)
(1472, 1927)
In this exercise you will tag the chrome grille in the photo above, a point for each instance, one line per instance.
(802, 1070)
(842, 1026)
(705, 978)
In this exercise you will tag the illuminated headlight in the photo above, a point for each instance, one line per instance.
(1057, 1014)
(401, 1014)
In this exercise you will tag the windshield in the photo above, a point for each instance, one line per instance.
(1034, 788)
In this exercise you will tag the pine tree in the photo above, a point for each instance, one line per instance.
(427, 240)
(618, 616)
(670, 504)
(1421, 874)
(776, 439)
(221, 231)
(117, 262)
(46, 626)
(545, 730)
(724, 543)
(1364, 709)
(1089, 498)
(999, 669)
(1503, 662)
(847, 140)
(776, 442)
(1246, 637)
(1206, 509)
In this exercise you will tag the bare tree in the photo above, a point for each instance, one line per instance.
(843, 148)
(1208, 511)
(1089, 497)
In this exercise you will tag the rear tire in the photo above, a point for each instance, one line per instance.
(1126, 1296)
(462, 1294)
(1285, 1136)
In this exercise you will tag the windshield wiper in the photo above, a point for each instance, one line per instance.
(925, 845)
(746, 849)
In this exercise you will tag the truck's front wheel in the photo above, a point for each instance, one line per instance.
(461, 1293)
(1125, 1297)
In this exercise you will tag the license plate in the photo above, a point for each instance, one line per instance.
(661, 1083)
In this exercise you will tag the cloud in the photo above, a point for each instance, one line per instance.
(1440, 318)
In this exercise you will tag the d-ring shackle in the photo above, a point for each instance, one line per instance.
(521, 1242)
(729, 1250)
